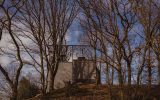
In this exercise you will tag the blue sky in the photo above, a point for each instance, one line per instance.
(73, 34)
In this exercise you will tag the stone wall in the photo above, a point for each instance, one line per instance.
(63, 75)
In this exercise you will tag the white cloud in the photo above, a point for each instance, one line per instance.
(5, 60)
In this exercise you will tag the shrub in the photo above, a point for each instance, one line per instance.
(27, 89)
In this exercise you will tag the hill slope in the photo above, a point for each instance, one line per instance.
(102, 92)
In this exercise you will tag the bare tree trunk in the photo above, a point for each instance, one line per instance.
(120, 76)
(51, 81)
(129, 74)
(112, 79)
(158, 70)
(107, 74)
(14, 94)
(52, 77)
(149, 69)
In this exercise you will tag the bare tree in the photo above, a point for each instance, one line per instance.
(109, 25)
(8, 22)
(102, 24)
(148, 17)
(47, 23)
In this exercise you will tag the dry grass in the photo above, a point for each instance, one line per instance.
(100, 92)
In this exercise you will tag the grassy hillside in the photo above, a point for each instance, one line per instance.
(101, 92)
